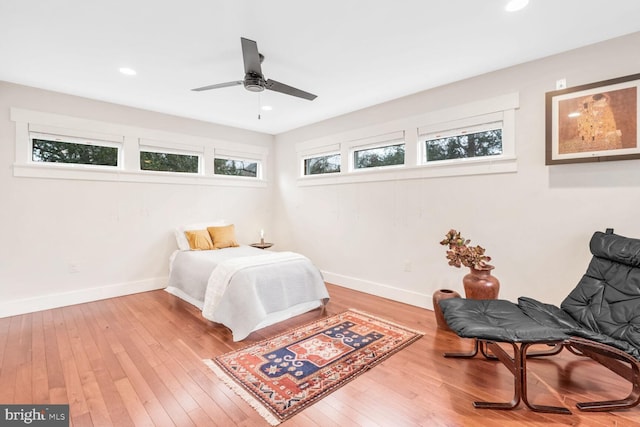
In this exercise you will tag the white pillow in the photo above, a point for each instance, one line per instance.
(181, 239)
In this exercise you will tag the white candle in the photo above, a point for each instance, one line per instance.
(262, 234)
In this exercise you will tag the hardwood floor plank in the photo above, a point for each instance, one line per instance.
(102, 361)
(147, 371)
(11, 361)
(200, 417)
(144, 392)
(232, 408)
(135, 408)
(73, 384)
(39, 377)
(5, 322)
(342, 403)
(81, 346)
(333, 411)
(172, 333)
(174, 345)
(205, 401)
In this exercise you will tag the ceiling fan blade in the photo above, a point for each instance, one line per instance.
(288, 90)
(251, 57)
(218, 86)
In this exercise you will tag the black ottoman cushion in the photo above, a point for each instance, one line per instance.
(495, 320)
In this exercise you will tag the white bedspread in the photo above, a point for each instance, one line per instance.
(246, 288)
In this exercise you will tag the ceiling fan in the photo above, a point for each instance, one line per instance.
(254, 80)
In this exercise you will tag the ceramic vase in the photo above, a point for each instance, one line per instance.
(481, 284)
(438, 296)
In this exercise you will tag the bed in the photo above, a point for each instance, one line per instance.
(245, 288)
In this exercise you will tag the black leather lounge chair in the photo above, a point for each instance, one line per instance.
(599, 319)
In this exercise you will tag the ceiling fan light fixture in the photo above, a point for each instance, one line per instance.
(253, 83)
(253, 88)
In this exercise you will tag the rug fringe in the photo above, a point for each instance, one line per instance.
(254, 403)
(364, 313)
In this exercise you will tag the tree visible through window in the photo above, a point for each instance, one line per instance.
(322, 164)
(476, 144)
(380, 156)
(235, 167)
(69, 152)
(168, 162)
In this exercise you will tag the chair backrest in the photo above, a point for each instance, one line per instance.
(606, 301)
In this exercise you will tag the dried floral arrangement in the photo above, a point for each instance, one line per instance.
(460, 253)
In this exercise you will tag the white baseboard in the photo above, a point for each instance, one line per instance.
(46, 302)
(49, 301)
(401, 295)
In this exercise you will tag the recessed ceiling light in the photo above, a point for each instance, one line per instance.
(128, 71)
(515, 5)
(267, 107)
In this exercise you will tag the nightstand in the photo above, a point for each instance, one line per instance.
(261, 245)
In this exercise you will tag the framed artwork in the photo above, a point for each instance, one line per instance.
(594, 122)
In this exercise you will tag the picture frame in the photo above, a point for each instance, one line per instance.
(593, 122)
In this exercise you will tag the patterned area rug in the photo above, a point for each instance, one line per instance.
(281, 376)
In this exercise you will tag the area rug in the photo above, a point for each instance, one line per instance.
(282, 375)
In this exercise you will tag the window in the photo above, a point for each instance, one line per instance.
(235, 167)
(468, 139)
(378, 151)
(388, 155)
(483, 139)
(329, 163)
(64, 147)
(169, 162)
(70, 150)
(477, 141)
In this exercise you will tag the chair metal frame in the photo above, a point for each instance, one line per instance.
(610, 357)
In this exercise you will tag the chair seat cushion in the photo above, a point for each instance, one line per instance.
(548, 315)
(555, 317)
(495, 320)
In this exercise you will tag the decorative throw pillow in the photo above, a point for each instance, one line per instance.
(223, 237)
(181, 238)
(199, 240)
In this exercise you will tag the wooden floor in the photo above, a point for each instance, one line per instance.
(137, 360)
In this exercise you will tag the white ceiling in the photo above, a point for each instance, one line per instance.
(352, 54)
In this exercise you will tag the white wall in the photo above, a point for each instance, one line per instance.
(117, 235)
(535, 223)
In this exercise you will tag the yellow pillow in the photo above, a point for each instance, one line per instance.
(223, 237)
(199, 240)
